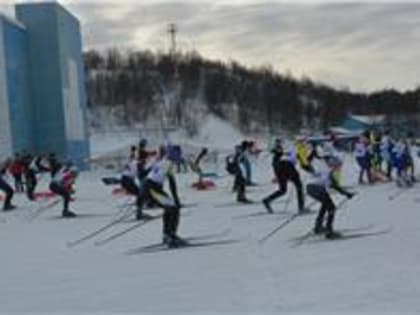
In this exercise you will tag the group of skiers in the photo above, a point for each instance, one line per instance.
(379, 154)
(145, 171)
(284, 163)
(25, 170)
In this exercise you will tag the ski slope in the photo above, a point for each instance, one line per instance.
(376, 273)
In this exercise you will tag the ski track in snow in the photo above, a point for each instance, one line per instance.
(40, 274)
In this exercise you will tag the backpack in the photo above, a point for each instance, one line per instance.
(231, 166)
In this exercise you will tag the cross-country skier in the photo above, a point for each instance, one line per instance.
(62, 185)
(283, 164)
(318, 191)
(17, 168)
(235, 167)
(386, 147)
(196, 164)
(5, 187)
(305, 154)
(363, 158)
(35, 166)
(128, 182)
(161, 170)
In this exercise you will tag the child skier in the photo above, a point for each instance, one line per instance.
(318, 191)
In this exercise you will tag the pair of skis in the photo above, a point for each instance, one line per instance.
(290, 219)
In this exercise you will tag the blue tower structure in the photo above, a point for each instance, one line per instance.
(42, 52)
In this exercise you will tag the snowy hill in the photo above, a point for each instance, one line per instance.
(365, 274)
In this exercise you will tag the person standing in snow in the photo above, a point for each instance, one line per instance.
(283, 164)
(5, 187)
(318, 191)
(160, 171)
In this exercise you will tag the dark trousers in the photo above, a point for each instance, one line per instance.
(5, 187)
(239, 185)
(18, 182)
(287, 172)
(31, 183)
(130, 186)
(159, 197)
(63, 192)
(320, 194)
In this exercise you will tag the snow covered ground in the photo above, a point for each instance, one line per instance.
(376, 273)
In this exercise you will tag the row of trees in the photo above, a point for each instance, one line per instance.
(175, 87)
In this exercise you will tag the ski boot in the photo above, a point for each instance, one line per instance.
(332, 235)
(143, 216)
(173, 241)
(319, 229)
(267, 206)
(68, 214)
(9, 207)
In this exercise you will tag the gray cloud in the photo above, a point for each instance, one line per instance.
(364, 46)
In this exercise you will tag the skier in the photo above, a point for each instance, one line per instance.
(34, 167)
(62, 185)
(195, 165)
(283, 164)
(363, 158)
(128, 182)
(402, 159)
(305, 154)
(5, 187)
(162, 169)
(318, 191)
(386, 147)
(54, 164)
(17, 168)
(235, 167)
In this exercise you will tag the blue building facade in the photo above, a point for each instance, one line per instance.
(45, 105)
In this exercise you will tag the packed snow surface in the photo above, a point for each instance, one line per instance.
(376, 273)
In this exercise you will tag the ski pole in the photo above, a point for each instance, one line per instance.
(125, 231)
(42, 208)
(397, 194)
(101, 229)
(282, 225)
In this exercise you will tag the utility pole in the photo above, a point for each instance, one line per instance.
(172, 30)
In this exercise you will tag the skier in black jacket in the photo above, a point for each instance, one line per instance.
(284, 170)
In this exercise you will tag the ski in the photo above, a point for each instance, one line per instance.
(159, 247)
(349, 235)
(310, 234)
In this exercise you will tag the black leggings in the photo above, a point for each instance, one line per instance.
(320, 194)
(130, 186)
(155, 192)
(63, 192)
(5, 187)
(284, 173)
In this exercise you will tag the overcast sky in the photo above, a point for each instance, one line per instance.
(362, 46)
